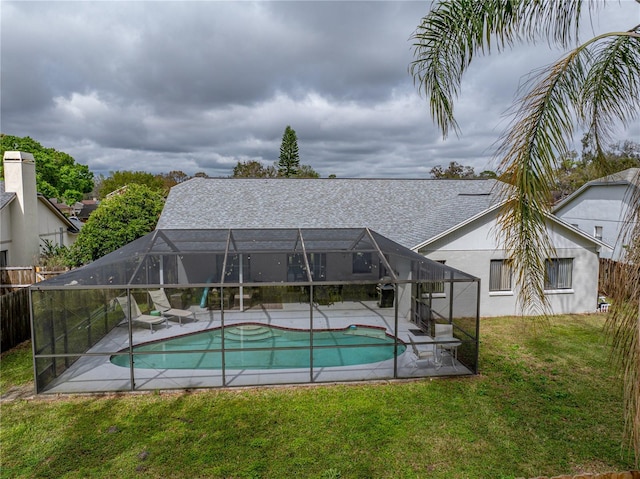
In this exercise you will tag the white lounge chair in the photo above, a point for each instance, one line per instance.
(423, 357)
(135, 316)
(161, 303)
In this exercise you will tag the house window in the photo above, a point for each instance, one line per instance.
(297, 269)
(558, 273)
(500, 275)
(3, 258)
(598, 232)
(436, 274)
(361, 263)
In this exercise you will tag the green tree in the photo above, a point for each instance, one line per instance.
(595, 85)
(173, 178)
(305, 171)
(57, 174)
(118, 179)
(460, 172)
(118, 220)
(573, 171)
(454, 170)
(253, 169)
(289, 162)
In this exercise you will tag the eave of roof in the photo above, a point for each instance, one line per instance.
(630, 176)
(71, 228)
(488, 211)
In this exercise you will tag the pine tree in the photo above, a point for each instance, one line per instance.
(289, 162)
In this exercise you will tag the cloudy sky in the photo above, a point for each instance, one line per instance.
(198, 86)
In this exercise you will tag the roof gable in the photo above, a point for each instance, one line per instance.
(71, 227)
(630, 176)
(493, 212)
(406, 211)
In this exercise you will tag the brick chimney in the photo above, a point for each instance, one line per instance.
(20, 178)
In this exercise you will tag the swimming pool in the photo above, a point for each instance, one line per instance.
(254, 346)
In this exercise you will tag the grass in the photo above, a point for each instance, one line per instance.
(545, 403)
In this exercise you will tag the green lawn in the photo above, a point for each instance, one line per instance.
(545, 403)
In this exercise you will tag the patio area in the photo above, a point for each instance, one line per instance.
(94, 372)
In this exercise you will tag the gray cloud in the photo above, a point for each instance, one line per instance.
(198, 86)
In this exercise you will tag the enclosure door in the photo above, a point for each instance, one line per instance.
(422, 307)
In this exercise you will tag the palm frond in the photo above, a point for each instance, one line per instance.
(596, 85)
(454, 31)
(623, 322)
(529, 152)
(611, 90)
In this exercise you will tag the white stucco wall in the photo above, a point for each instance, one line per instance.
(50, 225)
(5, 232)
(599, 205)
(471, 249)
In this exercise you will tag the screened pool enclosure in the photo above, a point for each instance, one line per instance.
(181, 309)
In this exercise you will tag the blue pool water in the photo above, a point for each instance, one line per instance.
(252, 346)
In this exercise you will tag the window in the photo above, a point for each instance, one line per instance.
(597, 232)
(437, 274)
(318, 265)
(297, 270)
(3, 258)
(500, 275)
(361, 263)
(558, 273)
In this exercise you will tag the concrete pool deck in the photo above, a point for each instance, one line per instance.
(94, 372)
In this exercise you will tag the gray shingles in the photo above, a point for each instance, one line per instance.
(406, 211)
(630, 175)
(5, 198)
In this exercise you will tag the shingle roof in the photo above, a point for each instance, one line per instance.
(5, 198)
(630, 175)
(406, 211)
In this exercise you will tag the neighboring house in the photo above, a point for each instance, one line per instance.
(26, 217)
(451, 221)
(64, 208)
(600, 206)
(87, 207)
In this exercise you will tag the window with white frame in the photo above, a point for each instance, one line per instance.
(436, 274)
(500, 275)
(597, 232)
(559, 273)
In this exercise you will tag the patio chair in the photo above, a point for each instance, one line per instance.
(135, 316)
(423, 357)
(162, 304)
(444, 332)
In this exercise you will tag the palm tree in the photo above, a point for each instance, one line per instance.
(594, 86)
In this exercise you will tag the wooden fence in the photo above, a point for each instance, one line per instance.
(612, 275)
(14, 302)
(15, 325)
(16, 277)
